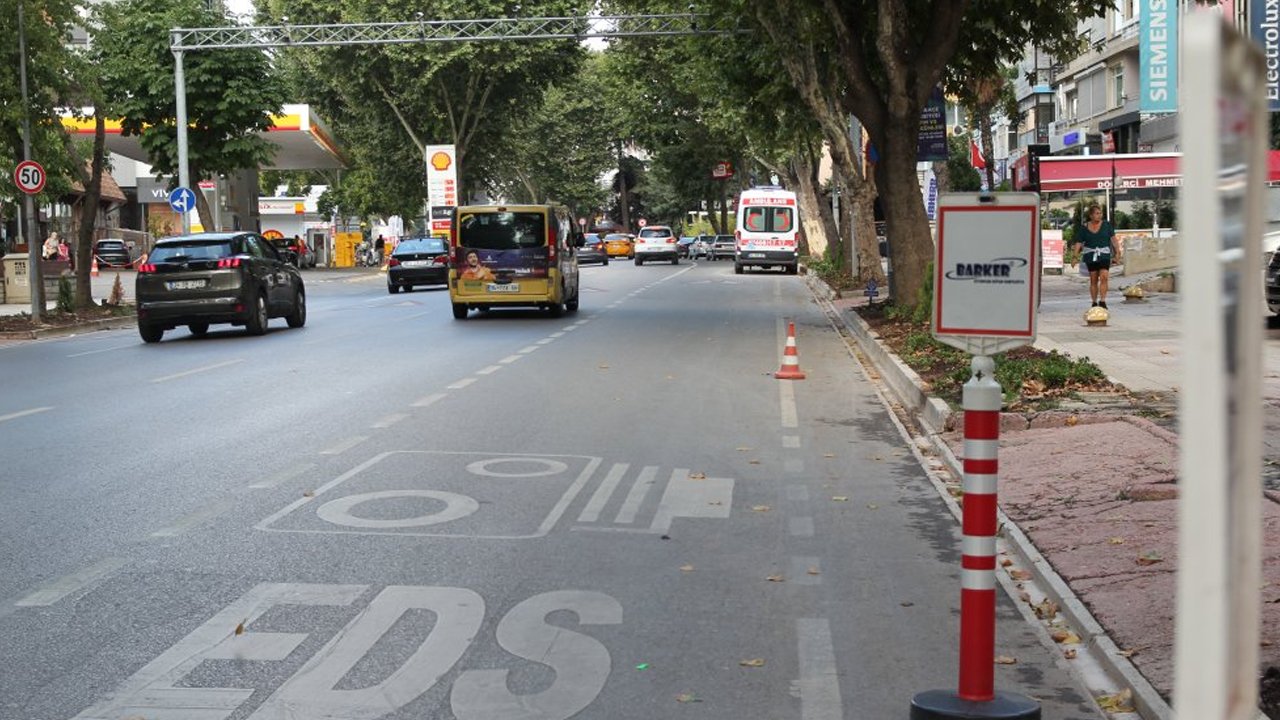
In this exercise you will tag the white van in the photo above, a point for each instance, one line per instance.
(768, 230)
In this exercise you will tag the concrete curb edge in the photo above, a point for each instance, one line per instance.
(115, 323)
(933, 414)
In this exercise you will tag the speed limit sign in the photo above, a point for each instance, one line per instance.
(29, 177)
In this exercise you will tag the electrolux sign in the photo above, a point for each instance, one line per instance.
(1264, 28)
(1158, 56)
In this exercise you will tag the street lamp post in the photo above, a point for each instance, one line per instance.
(35, 278)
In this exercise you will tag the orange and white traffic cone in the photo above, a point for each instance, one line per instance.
(790, 369)
(93, 269)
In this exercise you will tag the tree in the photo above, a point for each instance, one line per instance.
(962, 175)
(891, 54)
(231, 94)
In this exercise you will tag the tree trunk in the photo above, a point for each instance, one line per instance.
(907, 225)
(988, 146)
(711, 215)
(866, 247)
(89, 215)
(202, 207)
(815, 215)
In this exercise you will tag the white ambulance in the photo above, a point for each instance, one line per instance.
(768, 230)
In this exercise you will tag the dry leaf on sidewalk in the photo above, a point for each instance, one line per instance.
(686, 568)
(775, 578)
(1151, 557)
(1005, 660)
(761, 508)
(1072, 421)
(1046, 609)
(754, 663)
(688, 698)
(1116, 541)
(841, 498)
(1118, 702)
(1069, 653)
(1020, 574)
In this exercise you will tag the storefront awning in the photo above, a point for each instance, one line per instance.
(303, 141)
(1100, 172)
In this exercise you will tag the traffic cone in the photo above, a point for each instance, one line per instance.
(93, 268)
(790, 369)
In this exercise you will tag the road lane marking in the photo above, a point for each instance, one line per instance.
(527, 350)
(635, 498)
(687, 497)
(282, 476)
(389, 420)
(545, 341)
(509, 359)
(489, 370)
(805, 571)
(819, 682)
(345, 445)
(24, 413)
(798, 493)
(461, 383)
(790, 441)
(428, 400)
(64, 586)
(602, 494)
(195, 519)
(556, 335)
(103, 350)
(794, 466)
(206, 368)
(787, 394)
(800, 526)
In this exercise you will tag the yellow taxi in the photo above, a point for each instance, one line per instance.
(620, 245)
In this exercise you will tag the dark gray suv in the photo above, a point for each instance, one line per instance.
(211, 278)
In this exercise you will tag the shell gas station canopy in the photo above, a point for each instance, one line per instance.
(303, 140)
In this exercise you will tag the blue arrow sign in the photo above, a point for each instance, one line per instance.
(182, 200)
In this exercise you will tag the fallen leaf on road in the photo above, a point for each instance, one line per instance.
(688, 698)
(776, 578)
(642, 666)
(1151, 557)
(1005, 660)
(686, 568)
(1072, 420)
(716, 502)
(1128, 653)
(828, 455)
(1025, 597)
(872, 506)
(697, 476)
(755, 662)
(1116, 541)
(761, 508)
(907, 604)
(1065, 637)
(239, 629)
(1006, 562)
(1020, 574)
(814, 571)
(753, 462)
(309, 493)
(1118, 702)
(841, 498)
(743, 449)
(1069, 653)
(1164, 352)
(1046, 610)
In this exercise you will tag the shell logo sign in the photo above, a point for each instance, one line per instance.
(441, 161)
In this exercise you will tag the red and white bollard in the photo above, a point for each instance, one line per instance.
(977, 696)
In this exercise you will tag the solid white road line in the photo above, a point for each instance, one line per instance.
(62, 587)
(24, 413)
(819, 681)
(206, 368)
(345, 445)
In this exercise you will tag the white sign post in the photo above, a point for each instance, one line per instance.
(985, 286)
(1224, 125)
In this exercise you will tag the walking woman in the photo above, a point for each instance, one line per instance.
(1096, 241)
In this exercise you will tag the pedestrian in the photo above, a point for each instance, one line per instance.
(64, 251)
(378, 246)
(1096, 242)
(50, 250)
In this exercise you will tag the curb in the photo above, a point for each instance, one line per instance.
(934, 414)
(115, 323)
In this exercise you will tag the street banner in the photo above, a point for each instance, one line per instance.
(442, 175)
(932, 143)
(1158, 56)
(1225, 133)
(985, 281)
(1264, 28)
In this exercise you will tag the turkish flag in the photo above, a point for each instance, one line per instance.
(975, 156)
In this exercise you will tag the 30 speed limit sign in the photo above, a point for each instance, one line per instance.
(29, 177)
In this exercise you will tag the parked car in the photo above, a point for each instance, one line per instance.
(417, 261)
(1273, 283)
(682, 245)
(592, 250)
(297, 251)
(113, 253)
(723, 247)
(701, 247)
(236, 278)
(620, 245)
(656, 242)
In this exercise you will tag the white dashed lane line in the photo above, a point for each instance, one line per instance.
(194, 371)
(389, 420)
(282, 476)
(461, 383)
(527, 350)
(800, 526)
(510, 359)
(195, 519)
(489, 370)
(428, 400)
(103, 350)
(345, 445)
(69, 584)
(24, 413)
(790, 441)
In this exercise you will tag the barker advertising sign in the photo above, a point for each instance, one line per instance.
(1158, 56)
(986, 271)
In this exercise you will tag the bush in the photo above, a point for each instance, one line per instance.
(66, 295)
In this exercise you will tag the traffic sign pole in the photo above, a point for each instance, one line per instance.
(180, 85)
(34, 276)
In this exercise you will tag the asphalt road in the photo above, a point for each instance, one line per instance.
(392, 514)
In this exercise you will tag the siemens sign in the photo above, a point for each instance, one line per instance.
(1158, 56)
(1264, 28)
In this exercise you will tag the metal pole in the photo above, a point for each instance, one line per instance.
(180, 90)
(35, 278)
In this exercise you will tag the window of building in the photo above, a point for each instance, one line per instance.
(1118, 95)
(1071, 106)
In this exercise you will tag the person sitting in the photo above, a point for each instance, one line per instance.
(50, 250)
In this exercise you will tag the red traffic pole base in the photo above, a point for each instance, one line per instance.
(947, 705)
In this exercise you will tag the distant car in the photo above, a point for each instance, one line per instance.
(682, 245)
(620, 245)
(296, 250)
(656, 242)
(723, 247)
(593, 250)
(417, 261)
(204, 279)
(1272, 257)
(113, 253)
(701, 247)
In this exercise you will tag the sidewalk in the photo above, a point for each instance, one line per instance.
(1090, 492)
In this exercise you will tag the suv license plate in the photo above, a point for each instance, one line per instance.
(186, 284)
(755, 255)
(503, 287)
